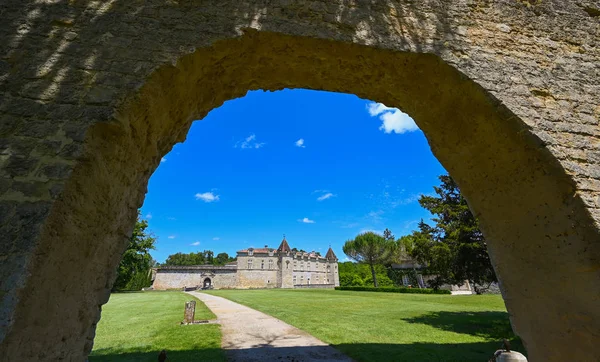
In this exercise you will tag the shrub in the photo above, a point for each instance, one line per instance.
(395, 290)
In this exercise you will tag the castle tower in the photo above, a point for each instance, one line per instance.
(285, 270)
(332, 268)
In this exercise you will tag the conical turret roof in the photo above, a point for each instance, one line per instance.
(330, 254)
(284, 247)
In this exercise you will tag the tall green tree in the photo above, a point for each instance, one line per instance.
(199, 258)
(454, 248)
(134, 270)
(387, 234)
(359, 275)
(370, 248)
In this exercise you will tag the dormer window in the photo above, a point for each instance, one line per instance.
(251, 251)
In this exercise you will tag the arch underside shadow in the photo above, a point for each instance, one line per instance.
(542, 240)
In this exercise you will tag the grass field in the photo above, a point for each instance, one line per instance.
(388, 326)
(137, 326)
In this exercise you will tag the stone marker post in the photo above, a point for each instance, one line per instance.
(190, 310)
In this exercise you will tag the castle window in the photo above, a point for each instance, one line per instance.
(271, 264)
(262, 264)
(249, 263)
(302, 266)
(302, 279)
(295, 265)
(308, 266)
(308, 281)
(294, 282)
(287, 264)
(317, 278)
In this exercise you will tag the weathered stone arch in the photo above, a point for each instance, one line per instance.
(93, 94)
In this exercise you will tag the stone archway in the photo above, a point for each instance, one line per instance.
(112, 87)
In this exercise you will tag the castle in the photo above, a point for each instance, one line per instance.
(256, 268)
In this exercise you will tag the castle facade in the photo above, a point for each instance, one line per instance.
(256, 268)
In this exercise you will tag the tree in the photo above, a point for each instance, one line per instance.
(359, 274)
(454, 249)
(369, 248)
(134, 270)
(199, 258)
(221, 259)
(387, 234)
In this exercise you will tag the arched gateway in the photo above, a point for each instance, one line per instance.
(94, 93)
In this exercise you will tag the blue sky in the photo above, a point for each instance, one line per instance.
(319, 167)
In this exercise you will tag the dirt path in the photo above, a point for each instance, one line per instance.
(250, 335)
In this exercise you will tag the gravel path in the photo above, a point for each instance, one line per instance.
(250, 335)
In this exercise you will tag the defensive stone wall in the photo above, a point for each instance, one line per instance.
(257, 278)
(177, 279)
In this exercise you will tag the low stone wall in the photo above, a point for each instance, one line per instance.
(314, 286)
(176, 278)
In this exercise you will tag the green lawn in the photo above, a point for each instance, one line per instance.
(371, 326)
(137, 326)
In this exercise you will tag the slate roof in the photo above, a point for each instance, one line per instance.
(257, 250)
(284, 247)
(330, 254)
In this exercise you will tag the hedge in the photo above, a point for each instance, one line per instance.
(395, 290)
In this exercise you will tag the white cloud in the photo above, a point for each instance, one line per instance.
(307, 221)
(195, 243)
(325, 196)
(375, 215)
(249, 142)
(171, 236)
(405, 201)
(216, 238)
(207, 197)
(300, 143)
(393, 119)
(164, 159)
(378, 108)
(149, 216)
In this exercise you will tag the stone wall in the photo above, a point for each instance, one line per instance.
(257, 278)
(286, 272)
(93, 94)
(315, 277)
(177, 279)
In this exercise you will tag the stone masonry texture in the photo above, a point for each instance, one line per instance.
(94, 93)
